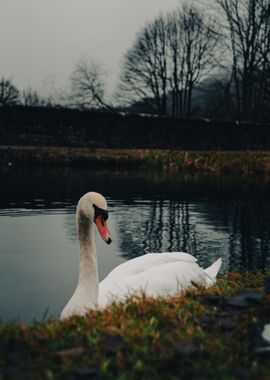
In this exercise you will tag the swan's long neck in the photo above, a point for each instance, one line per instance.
(88, 269)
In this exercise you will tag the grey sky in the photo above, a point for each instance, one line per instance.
(42, 40)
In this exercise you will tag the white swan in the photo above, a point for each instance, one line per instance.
(156, 274)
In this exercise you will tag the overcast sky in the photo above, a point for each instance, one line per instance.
(41, 40)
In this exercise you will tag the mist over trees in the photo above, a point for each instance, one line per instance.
(10, 95)
(30, 98)
(168, 58)
(247, 34)
(88, 85)
(145, 67)
(220, 57)
(207, 60)
(192, 43)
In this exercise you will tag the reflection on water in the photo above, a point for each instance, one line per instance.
(237, 231)
(154, 226)
(39, 252)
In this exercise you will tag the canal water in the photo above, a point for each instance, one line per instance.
(209, 217)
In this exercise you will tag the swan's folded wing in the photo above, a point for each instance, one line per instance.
(144, 263)
(166, 279)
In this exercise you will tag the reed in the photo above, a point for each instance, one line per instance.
(245, 162)
(169, 161)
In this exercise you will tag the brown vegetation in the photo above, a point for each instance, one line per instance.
(170, 161)
(201, 334)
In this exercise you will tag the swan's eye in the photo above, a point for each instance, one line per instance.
(100, 212)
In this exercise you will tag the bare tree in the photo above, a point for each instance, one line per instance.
(88, 85)
(9, 94)
(248, 31)
(145, 66)
(168, 58)
(192, 43)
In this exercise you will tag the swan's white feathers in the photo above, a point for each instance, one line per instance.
(212, 272)
(145, 262)
(155, 275)
(79, 304)
(86, 203)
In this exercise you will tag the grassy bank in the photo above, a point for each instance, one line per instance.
(244, 162)
(44, 155)
(202, 334)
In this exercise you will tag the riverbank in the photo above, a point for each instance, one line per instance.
(201, 334)
(69, 156)
(170, 161)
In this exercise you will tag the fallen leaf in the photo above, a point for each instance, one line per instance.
(233, 276)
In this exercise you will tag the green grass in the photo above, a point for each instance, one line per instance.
(191, 336)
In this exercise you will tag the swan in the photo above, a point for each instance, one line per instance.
(155, 274)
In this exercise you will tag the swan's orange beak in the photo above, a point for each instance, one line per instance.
(103, 229)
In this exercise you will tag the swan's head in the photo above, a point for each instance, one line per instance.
(93, 206)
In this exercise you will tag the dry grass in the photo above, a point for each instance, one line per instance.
(191, 336)
(171, 161)
(246, 162)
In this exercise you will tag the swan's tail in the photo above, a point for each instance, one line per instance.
(212, 271)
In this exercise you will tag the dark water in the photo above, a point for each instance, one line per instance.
(209, 218)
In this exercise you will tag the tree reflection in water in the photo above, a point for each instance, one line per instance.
(155, 226)
(207, 217)
(238, 231)
(249, 235)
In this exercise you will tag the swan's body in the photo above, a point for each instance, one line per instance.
(154, 274)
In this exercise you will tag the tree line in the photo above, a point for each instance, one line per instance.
(211, 60)
(217, 60)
